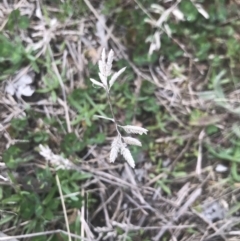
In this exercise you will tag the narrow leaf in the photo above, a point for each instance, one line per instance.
(97, 83)
(104, 117)
(103, 79)
(110, 57)
(101, 66)
(109, 62)
(115, 76)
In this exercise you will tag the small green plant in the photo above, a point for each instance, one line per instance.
(119, 143)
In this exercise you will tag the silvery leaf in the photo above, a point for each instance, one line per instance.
(97, 83)
(115, 76)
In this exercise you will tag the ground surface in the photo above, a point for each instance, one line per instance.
(181, 83)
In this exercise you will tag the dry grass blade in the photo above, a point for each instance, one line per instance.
(192, 198)
(64, 208)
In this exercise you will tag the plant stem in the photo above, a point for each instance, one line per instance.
(115, 121)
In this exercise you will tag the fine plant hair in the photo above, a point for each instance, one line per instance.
(119, 143)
